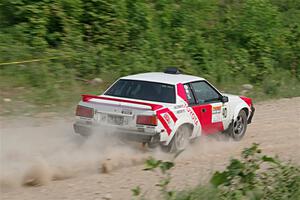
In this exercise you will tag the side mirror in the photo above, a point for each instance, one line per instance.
(224, 99)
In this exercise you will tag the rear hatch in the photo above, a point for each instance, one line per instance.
(119, 112)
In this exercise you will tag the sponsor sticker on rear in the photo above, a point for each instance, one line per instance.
(167, 118)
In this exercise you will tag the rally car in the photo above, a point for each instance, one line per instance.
(168, 108)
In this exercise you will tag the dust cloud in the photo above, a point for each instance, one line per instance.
(37, 155)
(34, 155)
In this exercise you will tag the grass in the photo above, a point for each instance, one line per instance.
(20, 98)
(34, 92)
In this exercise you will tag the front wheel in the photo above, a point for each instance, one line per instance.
(239, 126)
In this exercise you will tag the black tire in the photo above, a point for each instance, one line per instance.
(180, 140)
(238, 128)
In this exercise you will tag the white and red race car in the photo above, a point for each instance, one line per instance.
(167, 108)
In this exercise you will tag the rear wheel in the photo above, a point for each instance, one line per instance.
(180, 140)
(239, 126)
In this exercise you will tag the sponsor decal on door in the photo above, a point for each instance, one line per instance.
(216, 114)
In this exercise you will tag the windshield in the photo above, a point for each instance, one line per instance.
(143, 90)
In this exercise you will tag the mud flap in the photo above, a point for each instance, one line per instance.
(251, 115)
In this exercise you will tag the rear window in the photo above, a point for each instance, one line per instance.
(143, 90)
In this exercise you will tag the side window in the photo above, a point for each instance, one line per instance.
(189, 94)
(204, 92)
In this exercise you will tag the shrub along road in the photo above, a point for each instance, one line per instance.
(276, 127)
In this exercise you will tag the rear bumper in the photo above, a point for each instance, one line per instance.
(86, 130)
(251, 115)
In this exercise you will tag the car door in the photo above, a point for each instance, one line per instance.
(207, 105)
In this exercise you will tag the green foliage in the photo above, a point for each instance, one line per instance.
(254, 176)
(164, 166)
(229, 42)
(199, 193)
(152, 164)
(136, 191)
(257, 176)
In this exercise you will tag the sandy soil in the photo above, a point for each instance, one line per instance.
(65, 166)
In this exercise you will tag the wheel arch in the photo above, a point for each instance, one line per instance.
(185, 123)
(241, 106)
(190, 127)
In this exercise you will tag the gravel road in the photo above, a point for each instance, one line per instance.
(67, 167)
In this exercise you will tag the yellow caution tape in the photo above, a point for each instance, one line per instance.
(30, 61)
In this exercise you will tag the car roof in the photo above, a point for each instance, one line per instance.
(161, 77)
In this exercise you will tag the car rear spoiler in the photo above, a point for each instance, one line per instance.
(87, 97)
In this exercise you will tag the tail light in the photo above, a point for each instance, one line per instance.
(147, 120)
(83, 111)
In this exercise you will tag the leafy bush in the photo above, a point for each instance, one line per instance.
(254, 176)
(164, 166)
(258, 176)
(228, 42)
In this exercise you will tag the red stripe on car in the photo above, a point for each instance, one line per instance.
(87, 97)
(167, 110)
(159, 114)
(173, 116)
(164, 123)
(181, 92)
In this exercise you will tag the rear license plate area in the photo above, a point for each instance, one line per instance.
(115, 119)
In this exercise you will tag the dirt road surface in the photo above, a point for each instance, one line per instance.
(68, 167)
